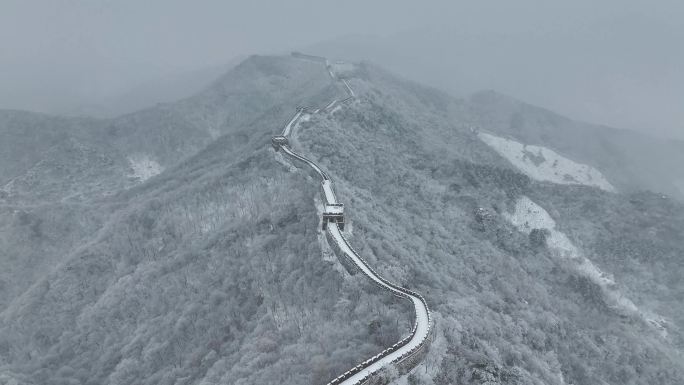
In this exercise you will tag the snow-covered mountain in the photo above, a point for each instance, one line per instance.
(168, 246)
(629, 160)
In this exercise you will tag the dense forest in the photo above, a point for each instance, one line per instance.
(182, 249)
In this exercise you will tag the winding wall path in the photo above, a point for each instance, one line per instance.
(409, 351)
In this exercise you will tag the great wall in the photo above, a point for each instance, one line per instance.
(406, 353)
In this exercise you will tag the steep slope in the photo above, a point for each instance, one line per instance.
(25, 136)
(163, 134)
(433, 206)
(60, 171)
(215, 270)
(631, 161)
(209, 273)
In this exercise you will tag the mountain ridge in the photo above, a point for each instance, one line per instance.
(213, 271)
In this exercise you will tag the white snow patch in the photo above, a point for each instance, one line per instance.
(144, 167)
(529, 216)
(544, 164)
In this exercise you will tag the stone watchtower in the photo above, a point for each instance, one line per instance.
(278, 141)
(334, 213)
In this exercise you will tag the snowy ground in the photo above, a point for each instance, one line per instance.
(544, 164)
(529, 216)
(144, 167)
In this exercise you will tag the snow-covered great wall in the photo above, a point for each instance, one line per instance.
(406, 353)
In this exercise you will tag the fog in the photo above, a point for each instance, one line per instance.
(231, 213)
(614, 62)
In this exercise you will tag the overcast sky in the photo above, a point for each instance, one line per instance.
(617, 62)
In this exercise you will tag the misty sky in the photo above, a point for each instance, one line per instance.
(616, 62)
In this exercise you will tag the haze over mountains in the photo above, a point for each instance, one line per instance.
(169, 246)
(614, 62)
(617, 70)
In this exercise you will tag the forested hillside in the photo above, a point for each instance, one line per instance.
(169, 246)
(433, 206)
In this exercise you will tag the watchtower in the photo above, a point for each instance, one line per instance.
(278, 141)
(334, 213)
